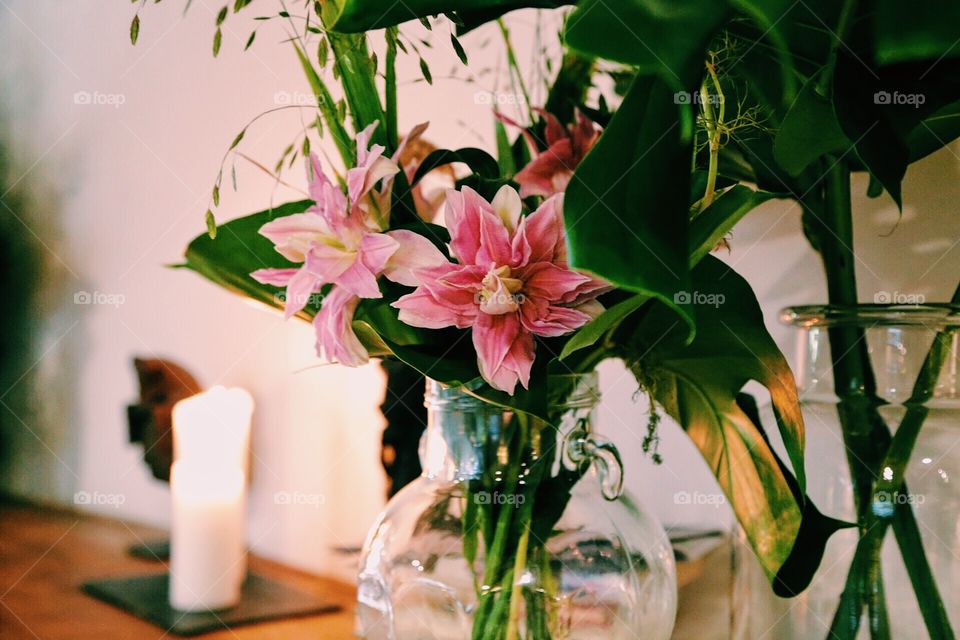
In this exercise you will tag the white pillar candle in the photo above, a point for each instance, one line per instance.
(211, 444)
(207, 550)
(213, 427)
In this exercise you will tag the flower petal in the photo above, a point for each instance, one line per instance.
(413, 253)
(543, 231)
(464, 211)
(539, 177)
(276, 277)
(547, 281)
(293, 235)
(299, 289)
(504, 351)
(507, 206)
(336, 340)
(553, 321)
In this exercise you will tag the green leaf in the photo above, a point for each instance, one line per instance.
(135, 29)
(934, 132)
(458, 48)
(698, 385)
(217, 41)
(253, 35)
(656, 37)
(358, 76)
(480, 162)
(211, 225)
(590, 333)
(425, 70)
(328, 110)
(222, 15)
(235, 249)
(910, 31)
(808, 131)
(714, 222)
(365, 15)
(625, 209)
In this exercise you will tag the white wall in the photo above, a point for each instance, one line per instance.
(134, 180)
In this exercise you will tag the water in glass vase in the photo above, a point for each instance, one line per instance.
(514, 531)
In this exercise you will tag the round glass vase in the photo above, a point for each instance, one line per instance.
(895, 380)
(515, 531)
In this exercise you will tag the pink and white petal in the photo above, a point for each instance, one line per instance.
(592, 308)
(555, 321)
(360, 281)
(327, 263)
(336, 340)
(587, 292)
(376, 250)
(537, 178)
(299, 289)
(547, 281)
(293, 235)
(507, 206)
(504, 350)
(414, 252)
(462, 217)
(495, 245)
(585, 134)
(554, 131)
(276, 277)
(363, 143)
(422, 309)
(544, 231)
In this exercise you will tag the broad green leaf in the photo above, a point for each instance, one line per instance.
(668, 39)
(625, 209)
(934, 132)
(909, 31)
(591, 332)
(809, 131)
(363, 15)
(714, 222)
(480, 162)
(328, 110)
(358, 76)
(698, 385)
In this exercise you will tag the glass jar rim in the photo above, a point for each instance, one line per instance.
(931, 316)
(585, 391)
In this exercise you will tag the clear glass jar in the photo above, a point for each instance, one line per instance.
(508, 533)
(843, 426)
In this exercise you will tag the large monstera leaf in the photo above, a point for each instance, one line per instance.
(363, 15)
(699, 385)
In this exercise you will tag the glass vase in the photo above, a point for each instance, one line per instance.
(869, 374)
(515, 530)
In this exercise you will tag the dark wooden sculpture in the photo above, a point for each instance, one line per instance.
(162, 385)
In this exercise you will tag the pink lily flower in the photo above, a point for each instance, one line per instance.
(550, 171)
(340, 241)
(511, 282)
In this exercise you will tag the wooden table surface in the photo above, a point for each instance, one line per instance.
(46, 554)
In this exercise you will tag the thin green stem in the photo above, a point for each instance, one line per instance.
(516, 589)
(516, 76)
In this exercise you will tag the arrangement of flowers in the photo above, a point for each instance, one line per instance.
(586, 237)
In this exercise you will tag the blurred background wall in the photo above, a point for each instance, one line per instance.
(115, 148)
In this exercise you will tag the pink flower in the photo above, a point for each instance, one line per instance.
(340, 241)
(550, 172)
(511, 283)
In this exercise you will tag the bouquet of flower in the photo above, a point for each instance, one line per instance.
(589, 236)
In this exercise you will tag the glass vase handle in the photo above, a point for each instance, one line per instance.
(584, 448)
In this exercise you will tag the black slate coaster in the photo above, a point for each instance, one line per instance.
(262, 600)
